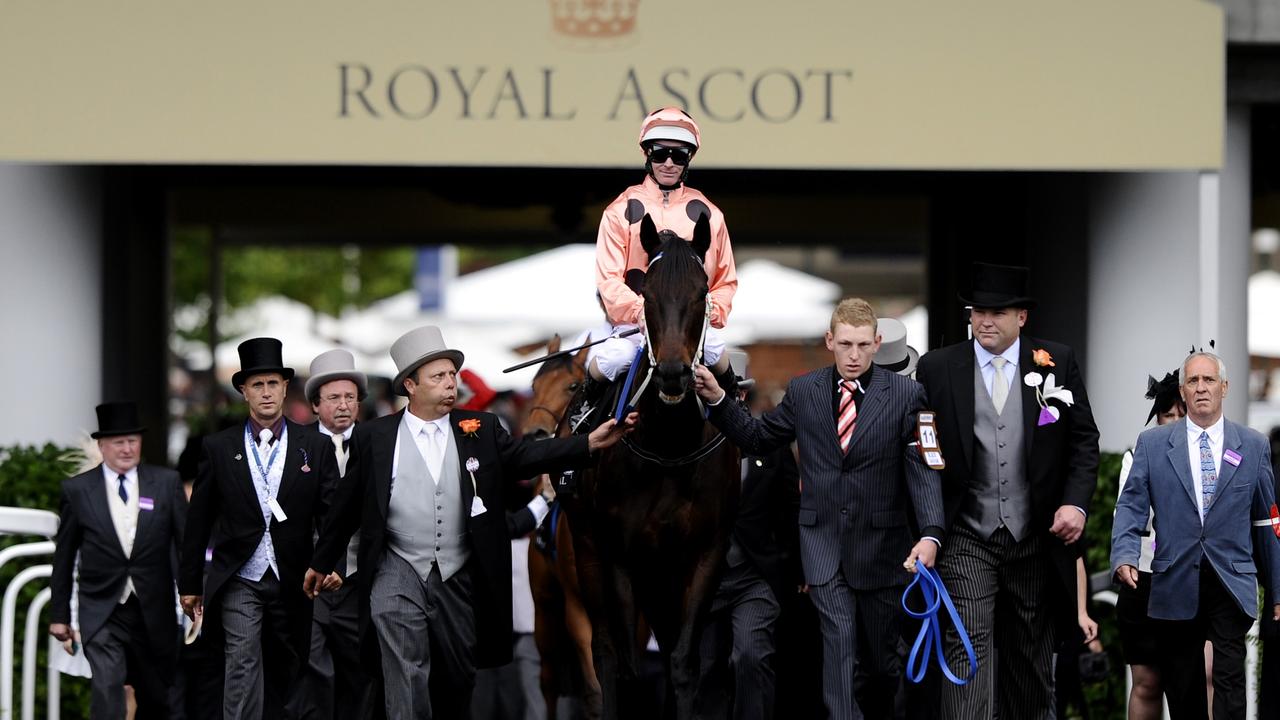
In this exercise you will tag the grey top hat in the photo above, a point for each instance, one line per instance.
(738, 360)
(416, 348)
(895, 354)
(334, 365)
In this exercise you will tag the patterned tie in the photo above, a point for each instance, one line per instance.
(999, 385)
(1208, 473)
(847, 417)
(124, 494)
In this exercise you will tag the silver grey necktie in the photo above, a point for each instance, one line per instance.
(999, 385)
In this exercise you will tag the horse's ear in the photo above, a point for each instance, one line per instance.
(553, 345)
(702, 236)
(580, 358)
(649, 239)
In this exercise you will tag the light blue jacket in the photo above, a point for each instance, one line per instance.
(1229, 540)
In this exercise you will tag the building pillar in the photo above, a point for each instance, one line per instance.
(51, 239)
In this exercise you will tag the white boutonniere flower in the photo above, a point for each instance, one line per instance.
(1047, 389)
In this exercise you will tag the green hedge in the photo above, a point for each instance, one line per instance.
(31, 477)
(1106, 700)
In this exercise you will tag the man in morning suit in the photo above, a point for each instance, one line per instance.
(761, 570)
(1210, 484)
(125, 520)
(333, 684)
(1021, 465)
(863, 482)
(426, 488)
(259, 493)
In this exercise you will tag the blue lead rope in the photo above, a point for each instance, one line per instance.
(623, 408)
(935, 596)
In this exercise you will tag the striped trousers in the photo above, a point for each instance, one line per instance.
(1000, 588)
(861, 631)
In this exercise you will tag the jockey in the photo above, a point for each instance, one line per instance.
(669, 138)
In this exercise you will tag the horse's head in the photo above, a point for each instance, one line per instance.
(553, 388)
(675, 303)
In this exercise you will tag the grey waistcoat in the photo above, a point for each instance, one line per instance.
(426, 524)
(999, 493)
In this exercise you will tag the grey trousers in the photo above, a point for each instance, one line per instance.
(427, 635)
(119, 653)
(253, 612)
(1000, 588)
(738, 642)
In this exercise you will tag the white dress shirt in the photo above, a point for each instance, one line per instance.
(1193, 455)
(124, 515)
(1010, 354)
(432, 450)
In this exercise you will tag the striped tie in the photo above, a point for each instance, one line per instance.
(847, 417)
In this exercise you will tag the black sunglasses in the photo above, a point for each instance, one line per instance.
(659, 154)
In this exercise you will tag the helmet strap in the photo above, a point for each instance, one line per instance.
(648, 168)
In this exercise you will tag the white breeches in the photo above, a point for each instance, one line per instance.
(614, 356)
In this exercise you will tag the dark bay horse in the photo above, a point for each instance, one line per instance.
(561, 625)
(659, 506)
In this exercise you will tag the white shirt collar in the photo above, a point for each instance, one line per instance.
(346, 434)
(111, 475)
(1011, 353)
(417, 424)
(1214, 430)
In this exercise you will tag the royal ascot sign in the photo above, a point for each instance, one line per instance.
(825, 84)
(721, 95)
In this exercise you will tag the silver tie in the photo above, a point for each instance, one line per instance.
(999, 386)
(341, 454)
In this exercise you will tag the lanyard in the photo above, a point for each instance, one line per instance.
(253, 448)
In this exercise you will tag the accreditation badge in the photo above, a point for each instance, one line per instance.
(927, 439)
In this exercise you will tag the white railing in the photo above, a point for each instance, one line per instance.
(41, 523)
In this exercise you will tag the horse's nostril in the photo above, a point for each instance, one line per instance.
(672, 370)
(540, 434)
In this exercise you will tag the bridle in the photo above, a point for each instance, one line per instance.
(707, 448)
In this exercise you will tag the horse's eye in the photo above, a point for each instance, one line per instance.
(573, 387)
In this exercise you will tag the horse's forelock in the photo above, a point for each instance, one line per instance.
(674, 260)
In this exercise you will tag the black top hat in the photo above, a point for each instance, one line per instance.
(260, 355)
(999, 286)
(117, 418)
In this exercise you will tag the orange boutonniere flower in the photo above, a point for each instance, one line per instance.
(1042, 358)
(469, 426)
